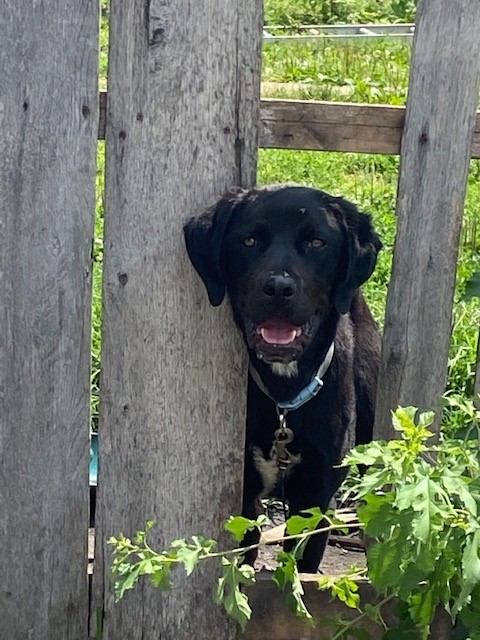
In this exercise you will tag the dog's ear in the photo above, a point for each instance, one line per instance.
(204, 237)
(362, 244)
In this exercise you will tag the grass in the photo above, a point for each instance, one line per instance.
(293, 13)
(97, 287)
(373, 71)
(360, 70)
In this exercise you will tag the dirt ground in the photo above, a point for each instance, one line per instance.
(337, 559)
(342, 552)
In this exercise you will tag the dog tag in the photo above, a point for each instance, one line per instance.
(283, 436)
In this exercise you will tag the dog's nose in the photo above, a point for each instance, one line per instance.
(280, 287)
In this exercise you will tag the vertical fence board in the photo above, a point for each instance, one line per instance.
(182, 115)
(436, 146)
(48, 128)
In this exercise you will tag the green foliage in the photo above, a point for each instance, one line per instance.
(97, 256)
(136, 559)
(103, 44)
(287, 579)
(420, 508)
(292, 13)
(460, 418)
(344, 587)
(238, 525)
(337, 70)
(228, 591)
(307, 522)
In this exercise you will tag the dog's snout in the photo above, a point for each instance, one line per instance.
(279, 287)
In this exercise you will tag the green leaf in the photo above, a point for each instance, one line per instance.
(470, 614)
(299, 524)
(377, 514)
(471, 570)
(435, 591)
(403, 420)
(384, 561)
(189, 553)
(429, 501)
(365, 454)
(413, 574)
(458, 485)
(342, 587)
(189, 557)
(228, 589)
(126, 581)
(287, 579)
(373, 480)
(422, 607)
(161, 574)
(238, 525)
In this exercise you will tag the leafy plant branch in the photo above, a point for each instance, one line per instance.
(419, 506)
(135, 558)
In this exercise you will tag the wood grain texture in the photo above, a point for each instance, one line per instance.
(436, 148)
(327, 126)
(181, 128)
(48, 131)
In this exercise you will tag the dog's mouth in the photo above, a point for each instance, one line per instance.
(279, 333)
(280, 340)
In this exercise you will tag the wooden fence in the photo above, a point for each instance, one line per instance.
(181, 124)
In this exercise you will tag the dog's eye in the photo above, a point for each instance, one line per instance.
(250, 241)
(316, 243)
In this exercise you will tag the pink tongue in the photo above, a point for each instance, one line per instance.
(279, 333)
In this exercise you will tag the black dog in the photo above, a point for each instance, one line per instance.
(292, 259)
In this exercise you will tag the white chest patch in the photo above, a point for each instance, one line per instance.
(289, 370)
(268, 469)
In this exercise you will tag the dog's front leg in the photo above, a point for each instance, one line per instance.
(330, 481)
(315, 547)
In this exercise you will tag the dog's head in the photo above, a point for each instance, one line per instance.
(288, 256)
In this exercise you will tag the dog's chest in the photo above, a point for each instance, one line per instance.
(269, 467)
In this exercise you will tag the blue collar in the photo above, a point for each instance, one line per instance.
(307, 393)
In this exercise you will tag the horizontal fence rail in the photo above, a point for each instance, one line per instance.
(327, 126)
(344, 31)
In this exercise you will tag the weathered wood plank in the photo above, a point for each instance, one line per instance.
(436, 147)
(327, 126)
(324, 126)
(48, 122)
(179, 132)
(272, 620)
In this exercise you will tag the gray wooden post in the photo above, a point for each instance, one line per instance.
(181, 127)
(48, 129)
(436, 143)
